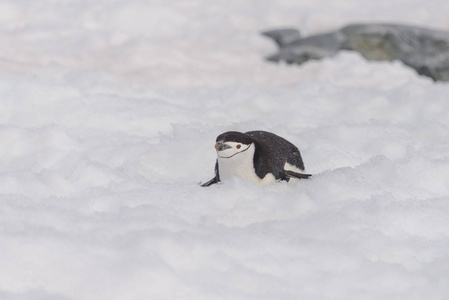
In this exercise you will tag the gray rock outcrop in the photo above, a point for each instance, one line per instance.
(425, 50)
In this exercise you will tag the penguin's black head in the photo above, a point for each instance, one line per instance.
(231, 143)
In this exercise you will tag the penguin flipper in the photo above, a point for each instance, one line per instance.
(210, 182)
(214, 180)
(297, 175)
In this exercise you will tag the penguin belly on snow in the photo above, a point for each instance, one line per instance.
(258, 156)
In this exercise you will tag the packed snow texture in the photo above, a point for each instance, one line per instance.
(109, 112)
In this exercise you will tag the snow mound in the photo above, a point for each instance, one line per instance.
(108, 116)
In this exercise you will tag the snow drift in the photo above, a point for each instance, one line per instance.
(109, 113)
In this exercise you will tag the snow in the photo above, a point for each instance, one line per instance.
(109, 112)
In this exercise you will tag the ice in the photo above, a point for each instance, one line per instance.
(109, 112)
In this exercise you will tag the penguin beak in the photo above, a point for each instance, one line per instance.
(219, 146)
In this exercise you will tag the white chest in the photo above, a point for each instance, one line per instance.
(242, 166)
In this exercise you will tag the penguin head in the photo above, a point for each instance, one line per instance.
(232, 144)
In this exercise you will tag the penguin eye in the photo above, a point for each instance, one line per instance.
(238, 146)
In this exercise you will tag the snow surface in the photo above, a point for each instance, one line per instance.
(109, 112)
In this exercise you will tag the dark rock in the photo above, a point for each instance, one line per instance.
(425, 50)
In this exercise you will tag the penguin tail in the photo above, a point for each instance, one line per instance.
(297, 175)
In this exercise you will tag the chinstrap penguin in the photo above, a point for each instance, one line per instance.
(257, 156)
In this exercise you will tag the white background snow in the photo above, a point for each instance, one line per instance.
(109, 112)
